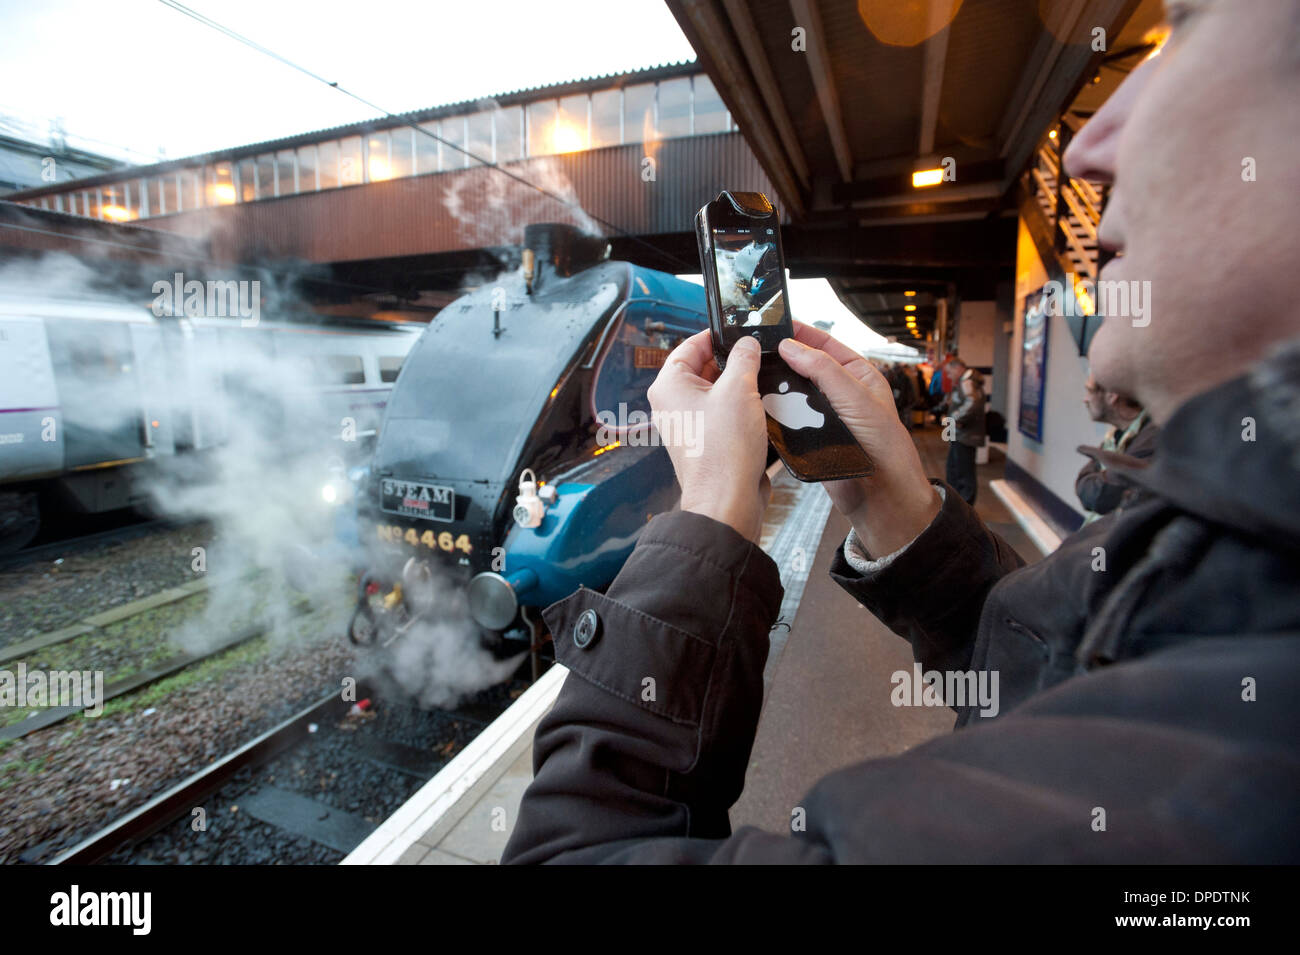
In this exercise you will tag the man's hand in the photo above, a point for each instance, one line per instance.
(896, 503)
(721, 468)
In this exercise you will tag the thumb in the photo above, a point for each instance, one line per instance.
(741, 373)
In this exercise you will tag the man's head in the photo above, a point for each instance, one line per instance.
(1109, 406)
(1180, 141)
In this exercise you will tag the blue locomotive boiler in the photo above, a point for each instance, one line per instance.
(516, 460)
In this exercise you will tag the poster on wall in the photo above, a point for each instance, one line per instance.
(1033, 365)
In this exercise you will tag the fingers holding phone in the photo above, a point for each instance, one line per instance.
(890, 507)
(715, 430)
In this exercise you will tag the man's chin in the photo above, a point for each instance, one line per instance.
(1106, 358)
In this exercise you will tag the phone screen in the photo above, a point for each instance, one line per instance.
(751, 286)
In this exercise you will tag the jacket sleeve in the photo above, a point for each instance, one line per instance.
(932, 593)
(1097, 489)
(651, 733)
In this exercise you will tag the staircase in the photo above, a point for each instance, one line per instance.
(1071, 210)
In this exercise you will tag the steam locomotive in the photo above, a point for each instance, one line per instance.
(516, 460)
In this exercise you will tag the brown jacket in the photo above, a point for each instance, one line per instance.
(1154, 686)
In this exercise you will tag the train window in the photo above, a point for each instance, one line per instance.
(350, 161)
(389, 366)
(191, 198)
(170, 198)
(426, 149)
(111, 204)
(141, 189)
(510, 133)
(379, 164)
(286, 171)
(709, 110)
(402, 158)
(571, 124)
(453, 145)
(307, 169)
(247, 181)
(480, 137)
(264, 170)
(627, 371)
(221, 184)
(606, 118)
(675, 107)
(340, 369)
(541, 128)
(327, 165)
(91, 203)
(639, 113)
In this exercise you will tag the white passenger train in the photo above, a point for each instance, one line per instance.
(94, 392)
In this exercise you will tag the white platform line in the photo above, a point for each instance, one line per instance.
(1038, 530)
(440, 795)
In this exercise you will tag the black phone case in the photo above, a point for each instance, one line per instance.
(825, 450)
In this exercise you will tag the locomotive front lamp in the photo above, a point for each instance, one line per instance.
(529, 507)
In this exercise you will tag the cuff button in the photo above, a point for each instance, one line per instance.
(586, 630)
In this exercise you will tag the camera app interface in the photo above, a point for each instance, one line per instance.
(749, 277)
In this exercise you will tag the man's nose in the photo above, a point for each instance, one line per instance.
(1092, 152)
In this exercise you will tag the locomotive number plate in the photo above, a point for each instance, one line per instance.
(431, 501)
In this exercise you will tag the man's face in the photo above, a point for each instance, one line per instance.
(1219, 251)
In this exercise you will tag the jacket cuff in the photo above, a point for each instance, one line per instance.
(935, 562)
(863, 563)
(691, 583)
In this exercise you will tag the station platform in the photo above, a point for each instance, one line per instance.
(826, 702)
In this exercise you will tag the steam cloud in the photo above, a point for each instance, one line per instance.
(276, 440)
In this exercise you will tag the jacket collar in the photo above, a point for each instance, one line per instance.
(1231, 455)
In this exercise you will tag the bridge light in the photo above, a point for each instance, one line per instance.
(222, 194)
(566, 138)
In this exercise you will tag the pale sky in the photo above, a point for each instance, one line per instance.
(130, 76)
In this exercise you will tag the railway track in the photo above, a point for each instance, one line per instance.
(71, 545)
(307, 790)
(49, 716)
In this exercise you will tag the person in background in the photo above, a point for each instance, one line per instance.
(966, 408)
(922, 393)
(1132, 433)
(904, 393)
(939, 387)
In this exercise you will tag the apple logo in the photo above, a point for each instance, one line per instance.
(792, 410)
